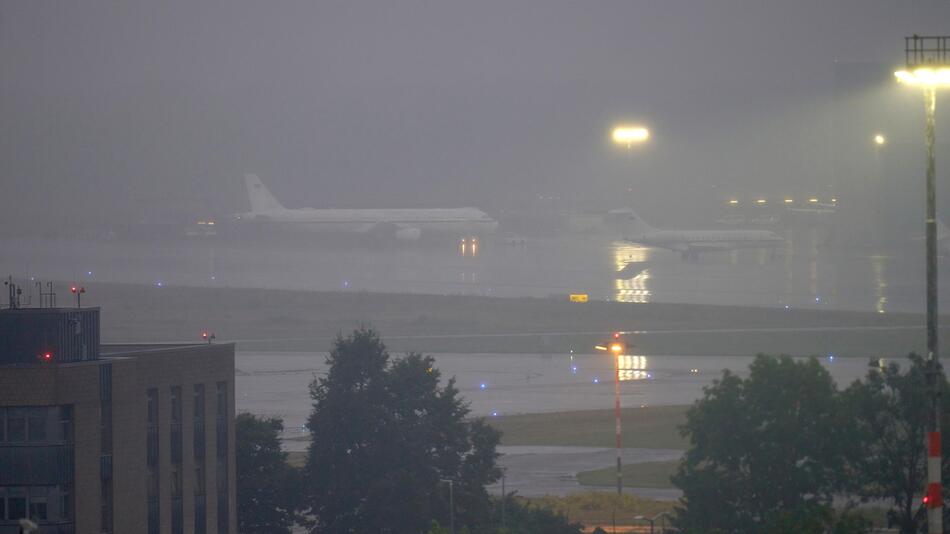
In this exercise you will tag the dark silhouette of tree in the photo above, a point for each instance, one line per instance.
(386, 437)
(267, 488)
(890, 412)
(762, 448)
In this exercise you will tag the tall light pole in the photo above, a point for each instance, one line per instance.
(616, 348)
(928, 66)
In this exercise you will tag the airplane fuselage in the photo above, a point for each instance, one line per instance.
(461, 221)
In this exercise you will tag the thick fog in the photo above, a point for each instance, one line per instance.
(114, 111)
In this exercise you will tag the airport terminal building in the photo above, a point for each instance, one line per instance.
(98, 438)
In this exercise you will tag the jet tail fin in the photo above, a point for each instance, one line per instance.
(632, 223)
(261, 198)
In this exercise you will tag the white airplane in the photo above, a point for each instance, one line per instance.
(691, 242)
(408, 224)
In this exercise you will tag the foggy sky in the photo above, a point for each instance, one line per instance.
(109, 109)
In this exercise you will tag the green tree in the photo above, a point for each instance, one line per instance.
(386, 435)
(761, 447)
(889, 415)
(267, 487)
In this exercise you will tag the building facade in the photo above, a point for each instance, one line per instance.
(98, 438)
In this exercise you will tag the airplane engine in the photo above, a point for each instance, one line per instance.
(408, 234)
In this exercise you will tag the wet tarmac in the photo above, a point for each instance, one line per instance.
(275, 383)
(805, 273)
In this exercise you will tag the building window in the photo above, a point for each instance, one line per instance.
(152, 481)
(16, 506)
(222, 418)
(201, 520)
(36, 418)
(66, 423)
(16, 425)
(177, 519)
(3, 508)
(199, 422)
(221, 466)
(153, 518)
(38, 509)
(152, 430)
(175, 434)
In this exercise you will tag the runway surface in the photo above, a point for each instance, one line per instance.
(806, 273)
(275, 383)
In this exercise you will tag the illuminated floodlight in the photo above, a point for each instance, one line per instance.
(627, 135)
(813, 200)
(925, 76)
(879, 139)
(616, 348)
(760, 201)
(734, 201)
(789, 200)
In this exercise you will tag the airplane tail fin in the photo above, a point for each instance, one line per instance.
(632, 223)
(261, 199)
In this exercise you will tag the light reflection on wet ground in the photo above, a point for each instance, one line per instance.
(804, 274)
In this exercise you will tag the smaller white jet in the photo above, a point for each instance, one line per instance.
(691, 242)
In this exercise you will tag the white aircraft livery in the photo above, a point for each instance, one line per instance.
(692, 242)
(407, 224)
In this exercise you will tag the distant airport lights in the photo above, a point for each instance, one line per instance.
(760, 201)
(789, 201)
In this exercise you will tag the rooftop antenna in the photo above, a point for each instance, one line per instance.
(50, 295)
(13, 293)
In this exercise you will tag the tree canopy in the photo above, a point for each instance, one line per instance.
(761, 448)
(387, 438)
(266, 485)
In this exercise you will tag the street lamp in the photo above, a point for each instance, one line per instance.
(928, 67)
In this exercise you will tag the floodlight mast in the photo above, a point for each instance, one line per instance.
(928, 66)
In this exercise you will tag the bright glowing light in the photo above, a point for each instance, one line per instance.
(482, 385)
(760, 201)
(813, 200)
(733, 201)
(834, 200)
(597, 381)
(879, 139)
(616, 348)
(789, 200)
(627, 135)
(925, 76)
